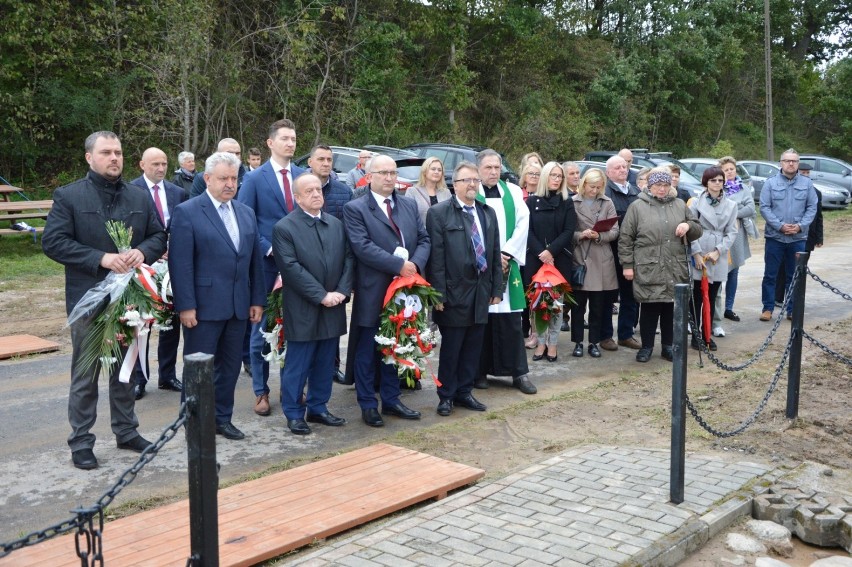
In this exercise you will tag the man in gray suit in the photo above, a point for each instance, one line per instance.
(76, 236)
(316, 265)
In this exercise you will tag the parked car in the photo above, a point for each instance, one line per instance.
(833, 196)
(698, 165)
(451, 154)
(654, 159)
(390, 151)
(829, 169)
(346, 158)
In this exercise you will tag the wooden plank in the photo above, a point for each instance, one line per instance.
(13, 232)
(269, 516)
(18, 345)
(25, 215)
(16, 206)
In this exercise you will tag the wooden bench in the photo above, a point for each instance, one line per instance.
(270, 516)
(7, 191)
(18, 210)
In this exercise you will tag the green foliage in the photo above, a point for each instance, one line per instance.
(722, 148)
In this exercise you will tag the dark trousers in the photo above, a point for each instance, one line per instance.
(367, 360)
(458, 363)
(503, 351)
(778, 256)
(259, 366)
(628, 310)
(83, 397)
(167, 347)
(651, 315)
(698, 303)
(597, 302)
(308, 362)
(224, 340)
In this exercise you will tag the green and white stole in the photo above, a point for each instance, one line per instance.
(515, 284)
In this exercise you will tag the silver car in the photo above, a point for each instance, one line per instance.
(698, 165)
(829, 169)
(833, 196)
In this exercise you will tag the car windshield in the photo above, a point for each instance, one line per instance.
(686, 174)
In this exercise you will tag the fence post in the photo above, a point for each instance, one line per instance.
(794, 370)
(678, 448)
(201, 450)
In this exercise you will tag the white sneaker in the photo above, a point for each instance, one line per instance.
(718, 331)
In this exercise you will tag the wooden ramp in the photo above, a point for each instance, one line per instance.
(263, 518)
(17, 345)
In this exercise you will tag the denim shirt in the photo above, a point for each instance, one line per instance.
(787, 201)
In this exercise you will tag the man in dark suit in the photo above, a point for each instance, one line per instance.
(466, 251)
(388, 239)
(217, 278)
(622, 193)
(229, 145)
(268, 192)
(165, 196)
(316, 268)
(76, 236)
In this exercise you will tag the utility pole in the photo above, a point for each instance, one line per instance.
(767, 55)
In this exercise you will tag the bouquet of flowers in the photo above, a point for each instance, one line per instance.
(137, 301)
(404, 338)
(547, 294)
(273, 332)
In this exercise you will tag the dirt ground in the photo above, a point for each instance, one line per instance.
(615, 401)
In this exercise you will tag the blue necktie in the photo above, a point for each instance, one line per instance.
(476, 238)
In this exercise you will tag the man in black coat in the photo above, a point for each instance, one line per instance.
(76, 236)
(316, 265)
(465, 268)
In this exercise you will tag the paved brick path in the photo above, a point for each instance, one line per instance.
(601, 506)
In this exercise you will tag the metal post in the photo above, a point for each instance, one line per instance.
(794, 370)
(201, 449)
(678, 448)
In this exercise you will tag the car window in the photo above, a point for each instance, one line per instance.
(743, 172)
(766, 170)
(809, 161)
(833, 167)
(343, 163)
(411, 172)
(698, 168)
(751, 168)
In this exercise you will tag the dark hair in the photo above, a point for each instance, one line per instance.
(93, 137)
(254, 152)
(278, 124)
(710, 173)
(320, 147)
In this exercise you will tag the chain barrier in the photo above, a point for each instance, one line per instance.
(826, 349)
(828, 286)
(88, 537)
(751, 419)
(698, 334)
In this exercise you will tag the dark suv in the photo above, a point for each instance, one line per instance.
(653, 159)
(451, 154)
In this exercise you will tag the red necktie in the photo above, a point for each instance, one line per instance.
(288, 195)
(390, 218)
(159, 204)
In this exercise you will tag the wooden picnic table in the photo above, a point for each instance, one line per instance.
(18, 210)
(7, 190)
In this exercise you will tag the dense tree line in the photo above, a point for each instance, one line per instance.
(558, 76)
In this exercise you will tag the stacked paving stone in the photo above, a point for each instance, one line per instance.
(601, 506)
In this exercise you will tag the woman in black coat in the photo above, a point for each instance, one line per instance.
(552, 224)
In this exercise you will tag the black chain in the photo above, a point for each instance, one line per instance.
(88, 540)
(828, 286)
(751, 419)
(697, 332)
(826, 349)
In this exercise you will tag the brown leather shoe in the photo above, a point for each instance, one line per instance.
(261, 405)
(630, 343)
(766, 316)
(608, 344)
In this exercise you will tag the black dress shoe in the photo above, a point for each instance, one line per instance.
(172, 384)
(372, 418)
(469, 402)
(298, 427)
(137, 444)
(326, 418)
(578, 350)
(445, 407)
(666, 353)
(139, 391)
(731, 315)
(644, 354)
(712, 345)
(340, 378)
(480, 383)
(523, 384)
(594, 351)
(399, 410)
(84, 459)
(228, 431)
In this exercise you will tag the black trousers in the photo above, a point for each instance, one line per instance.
(458, 364)
(597, 302)
(649, 316)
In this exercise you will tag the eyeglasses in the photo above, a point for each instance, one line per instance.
(716, 180)
(556, 176)
(789, 161)
(533, 174)
(387, 173)
(467, 181)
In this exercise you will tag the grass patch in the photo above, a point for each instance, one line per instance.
(22, 261)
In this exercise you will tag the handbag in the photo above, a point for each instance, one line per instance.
(578, 271)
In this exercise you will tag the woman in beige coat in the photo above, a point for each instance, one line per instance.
(653, 255)
(593, 250)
